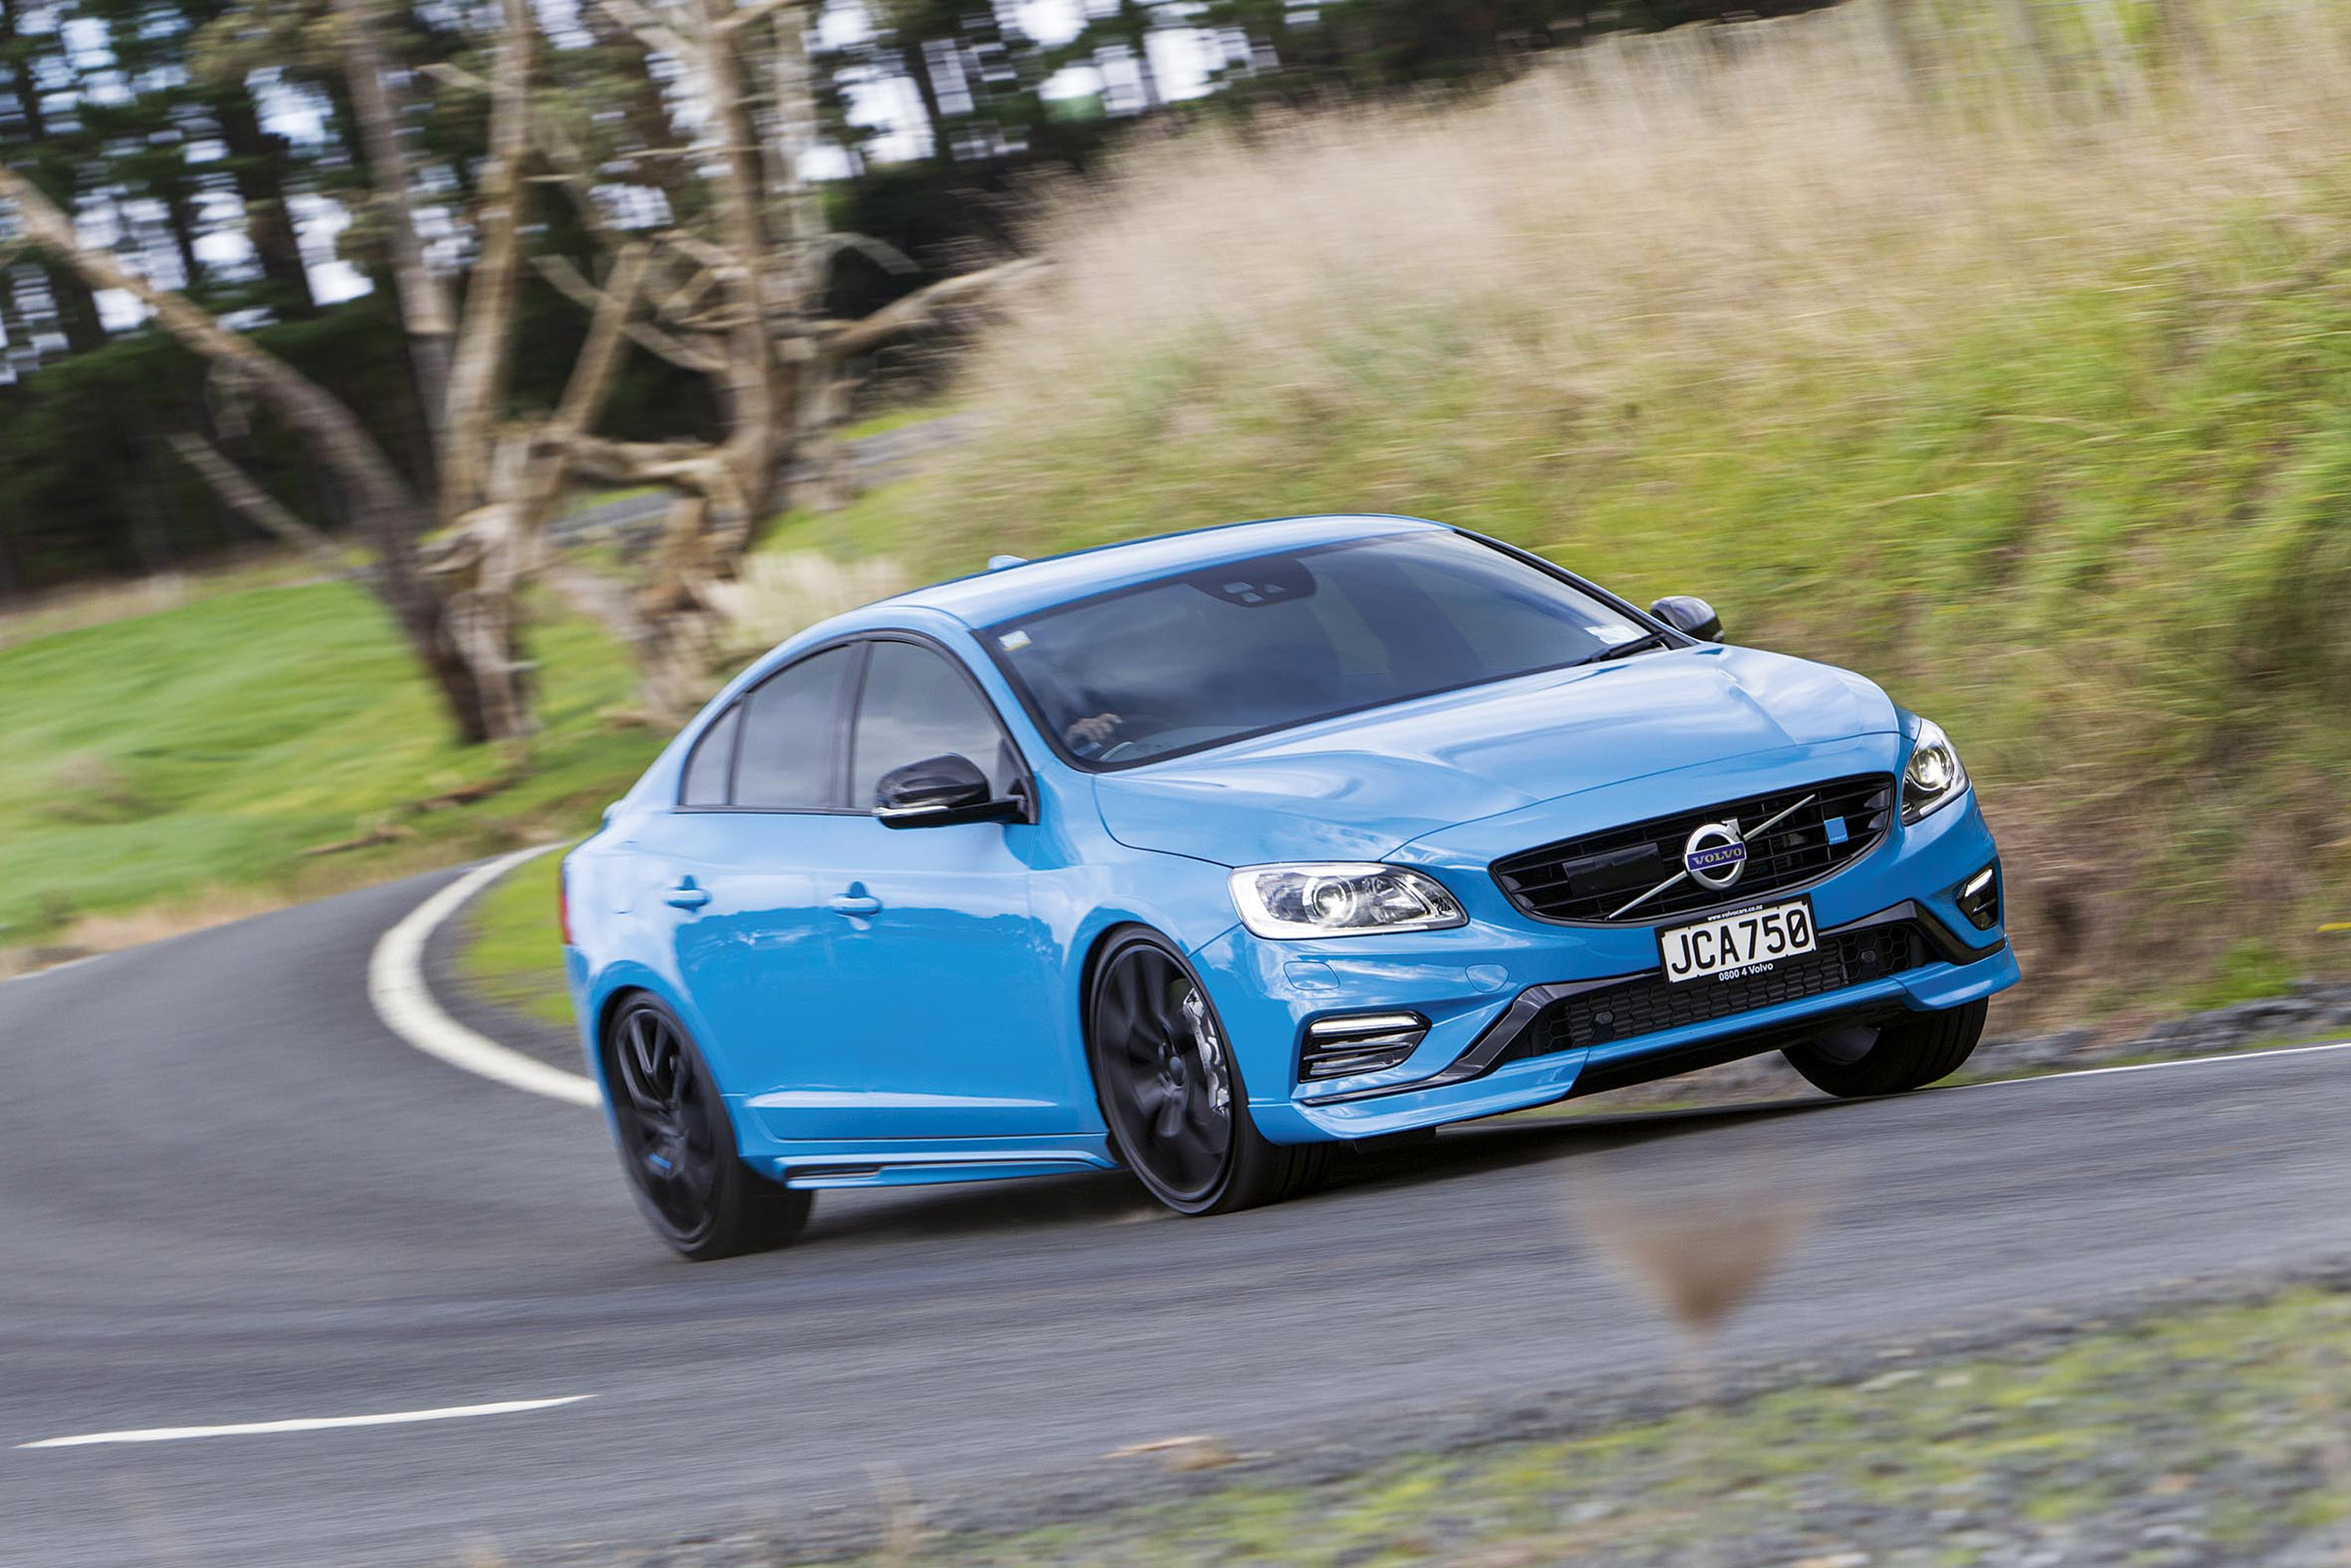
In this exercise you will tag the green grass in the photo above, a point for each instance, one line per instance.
(513, 952)
(157, 758)
(898, 418)
(588, 499)
(2054, 1436)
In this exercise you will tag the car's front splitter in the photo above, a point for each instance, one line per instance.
(1485, 1082)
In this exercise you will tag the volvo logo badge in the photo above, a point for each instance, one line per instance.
(1715, 855)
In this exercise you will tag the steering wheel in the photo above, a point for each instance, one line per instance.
(1133, 727)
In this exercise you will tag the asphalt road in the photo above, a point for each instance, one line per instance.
(228, 1194)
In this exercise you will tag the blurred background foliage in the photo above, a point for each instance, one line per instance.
(214, 142)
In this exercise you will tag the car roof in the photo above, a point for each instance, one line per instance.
(984, 597)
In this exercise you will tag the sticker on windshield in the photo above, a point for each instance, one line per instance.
(1610, 633)
(1013, 642)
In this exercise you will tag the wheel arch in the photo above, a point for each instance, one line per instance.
(616, 995)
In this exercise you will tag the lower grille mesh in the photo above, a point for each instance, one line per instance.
(1650, 1003)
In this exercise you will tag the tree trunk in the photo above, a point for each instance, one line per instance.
(485, 348)
(1135, 22)
(257, 163)
(73, 300)
(918, 70)
(799, 219)
(180, 217)
(385, 511)
(424, 306)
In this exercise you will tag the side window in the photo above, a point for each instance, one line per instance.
(916, 705)
(785, 758)
(713, 759)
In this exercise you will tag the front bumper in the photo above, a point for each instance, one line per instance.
(1485, 985)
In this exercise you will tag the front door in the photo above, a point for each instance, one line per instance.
(933, 938)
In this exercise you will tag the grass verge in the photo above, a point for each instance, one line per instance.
(512, 952)
(180, 763)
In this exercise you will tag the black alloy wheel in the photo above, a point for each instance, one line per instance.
(1171, 1092)
(679, 1147)
(1895, 1058)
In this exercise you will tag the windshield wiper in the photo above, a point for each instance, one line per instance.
(1618, 650)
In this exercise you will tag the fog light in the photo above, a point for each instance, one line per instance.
(1359, 1042)
(1980, 897)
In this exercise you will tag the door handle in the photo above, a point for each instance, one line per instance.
(686, 895)
(855, 903)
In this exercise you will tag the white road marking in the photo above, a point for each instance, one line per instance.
(396, 985)
(405, 1002)
(2154, 1066)
(309, 1424)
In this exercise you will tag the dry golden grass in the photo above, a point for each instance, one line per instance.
(776, 595)
(1706, 194)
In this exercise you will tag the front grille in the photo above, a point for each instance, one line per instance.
(1650, 1003)
(1589, 879)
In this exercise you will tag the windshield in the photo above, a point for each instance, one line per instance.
(1279, 639)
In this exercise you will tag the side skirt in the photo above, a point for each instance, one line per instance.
(916, 1164)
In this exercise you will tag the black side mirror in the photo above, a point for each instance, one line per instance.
(938, 792)
(1688, 613)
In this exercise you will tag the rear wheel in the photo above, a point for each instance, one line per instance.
(1171, 1092)
(678, 1146)
(1909, 1053)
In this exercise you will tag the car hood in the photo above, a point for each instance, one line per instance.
(1358, 786)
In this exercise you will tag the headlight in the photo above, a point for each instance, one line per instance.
(1934, 777)
(1340, 900)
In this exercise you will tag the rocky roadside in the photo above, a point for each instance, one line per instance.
(2311, 1011)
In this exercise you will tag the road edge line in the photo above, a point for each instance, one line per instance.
(405, 1002)
(306, 1424)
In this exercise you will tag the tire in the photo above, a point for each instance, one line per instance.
(1911, 1052)
(678, 1145)
(1171, 1092)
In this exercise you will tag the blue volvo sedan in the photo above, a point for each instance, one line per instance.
(1202, 855)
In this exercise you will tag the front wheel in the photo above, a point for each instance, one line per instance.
(1911, 1052)
(678, 1146)
(1171, 1092)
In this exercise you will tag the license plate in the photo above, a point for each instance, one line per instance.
(1747, 943)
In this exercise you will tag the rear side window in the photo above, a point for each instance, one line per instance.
(785, 759)
(713, 759)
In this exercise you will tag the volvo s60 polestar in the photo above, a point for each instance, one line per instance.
(1203, 855)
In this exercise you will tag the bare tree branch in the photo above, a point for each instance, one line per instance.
(845, 339)
(736, 21)
(485, 348)
(565, 277)
(237, 489)
(425, 310)
(650, 29)
(453, 76)
(600, 356)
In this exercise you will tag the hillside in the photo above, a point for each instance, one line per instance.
(2020, 380)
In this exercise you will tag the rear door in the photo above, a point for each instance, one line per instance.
(740, 856)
